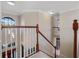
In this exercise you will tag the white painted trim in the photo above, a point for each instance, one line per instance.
(63, 56)
(68, 11)
(0, 26)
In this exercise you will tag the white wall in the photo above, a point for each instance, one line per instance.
(45, 28)
(45, 24)
(66, 32)
(44, 21)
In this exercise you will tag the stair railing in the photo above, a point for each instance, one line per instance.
(23, 50)
(48, 42)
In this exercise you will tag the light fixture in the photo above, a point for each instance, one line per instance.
(51, 12)
(11, 3)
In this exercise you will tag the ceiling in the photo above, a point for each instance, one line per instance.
(55, 6)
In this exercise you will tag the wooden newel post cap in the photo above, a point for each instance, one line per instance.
(75, 25)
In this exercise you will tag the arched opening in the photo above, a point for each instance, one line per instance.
(7, 21)
(8, 41)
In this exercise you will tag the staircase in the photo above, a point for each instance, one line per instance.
(40, 55)
(29, 43)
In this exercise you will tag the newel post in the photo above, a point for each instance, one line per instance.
(37, 43)
(75, 29)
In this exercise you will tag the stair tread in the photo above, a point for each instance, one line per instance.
(40, 55)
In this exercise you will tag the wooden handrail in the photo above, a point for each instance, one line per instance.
(48, 42)
(19, 26)
(37, 32)
(46, 39)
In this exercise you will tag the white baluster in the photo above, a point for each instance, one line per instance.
(11, 41)
(16, 41)
(6, 42)
(1, 44)
(30, 40)
(27, 41)
(20, 44)
(24, 42)
(33, 39)
(35, 33)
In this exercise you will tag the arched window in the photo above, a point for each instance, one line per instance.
(7, 21)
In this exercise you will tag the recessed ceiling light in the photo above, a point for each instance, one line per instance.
(51, 12)
(11, 3)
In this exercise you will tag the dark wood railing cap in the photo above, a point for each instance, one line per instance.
(75, 28)
(18, 26)
(75, 25)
